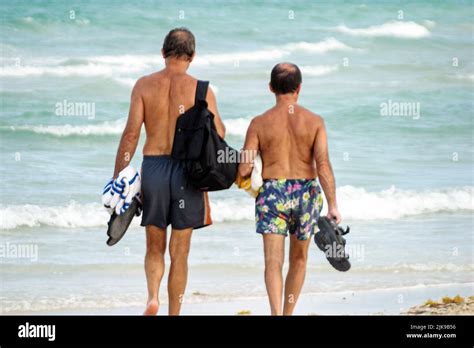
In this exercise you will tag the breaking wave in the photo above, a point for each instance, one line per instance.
(399, 29)
(355, 203)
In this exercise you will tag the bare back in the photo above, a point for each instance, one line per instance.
(167, 95)
(286, 137)
(157, 100)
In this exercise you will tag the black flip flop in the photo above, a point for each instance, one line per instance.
(118, 224)
(330, 241)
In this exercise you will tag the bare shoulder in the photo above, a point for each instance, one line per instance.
(144, 83)
(211, 95)
(258, 121)
(312, 117)
(189, 77)
(263, 120)
(150, 84)
(266, 116)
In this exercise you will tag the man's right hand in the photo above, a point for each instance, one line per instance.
(333, 213)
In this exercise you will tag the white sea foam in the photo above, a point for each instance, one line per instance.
(105, 128)
(70, 215)
(318, 70)
(463, 77)
(272, 53)
(253, 56)
(327, 45)
(138, 61)
(75, 215)
(400, 29)
(87, 66)
(70, 302)
(355, 204)
(86, 70)
(214, 88)
(120, 67)
(429, 23)
(359, 204)
(126, 81)
(236, 127)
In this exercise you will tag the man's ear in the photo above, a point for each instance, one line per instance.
(270, 87)
(298, 89)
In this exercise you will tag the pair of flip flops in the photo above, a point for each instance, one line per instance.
(118, 224)
(330, 240)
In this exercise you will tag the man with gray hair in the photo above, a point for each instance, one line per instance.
(157, 101)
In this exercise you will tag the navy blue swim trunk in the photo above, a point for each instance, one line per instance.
(168, 198)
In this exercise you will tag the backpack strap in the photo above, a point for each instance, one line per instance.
(201, 90)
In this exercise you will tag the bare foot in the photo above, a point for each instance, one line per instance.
(151, 308)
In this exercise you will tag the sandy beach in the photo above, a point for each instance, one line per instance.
(456, 305)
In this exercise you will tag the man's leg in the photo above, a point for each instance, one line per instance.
(179, 250)
(274, 249)
(296, 272)
(154, 265)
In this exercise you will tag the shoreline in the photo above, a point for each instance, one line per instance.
(392, 301)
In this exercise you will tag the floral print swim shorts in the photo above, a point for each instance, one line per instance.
(292, 205)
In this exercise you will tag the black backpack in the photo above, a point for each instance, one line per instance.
(210, 164)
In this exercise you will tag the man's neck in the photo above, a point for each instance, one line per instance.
(176, 66)
(286, 99)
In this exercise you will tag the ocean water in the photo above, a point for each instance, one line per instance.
(405, 182)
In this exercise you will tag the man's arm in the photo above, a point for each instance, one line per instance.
(212, 106)
(250, 150)
(325, 173)
(131, 134)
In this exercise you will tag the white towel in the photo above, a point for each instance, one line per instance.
(107, 196)
(118, 193)
(256, 177)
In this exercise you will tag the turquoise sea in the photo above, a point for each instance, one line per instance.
(405, 178)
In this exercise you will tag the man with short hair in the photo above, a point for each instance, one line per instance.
(157, 100)
(293, 144)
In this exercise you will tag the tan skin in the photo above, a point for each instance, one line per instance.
(293, 144)
(157, 101)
